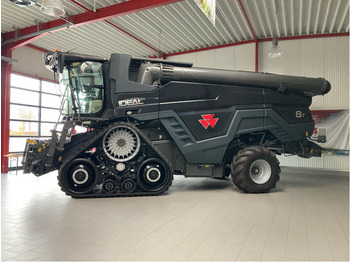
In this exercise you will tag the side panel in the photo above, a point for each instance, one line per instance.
(204, 118)
(207, 109)
(288, 116)
(285, 131)
(212, 150)
(137, 104)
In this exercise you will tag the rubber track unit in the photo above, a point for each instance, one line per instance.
(97, 193)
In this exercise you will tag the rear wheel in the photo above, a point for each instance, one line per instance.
(255, 169)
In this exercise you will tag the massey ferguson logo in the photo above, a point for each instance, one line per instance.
(131, 102)
(208, 120)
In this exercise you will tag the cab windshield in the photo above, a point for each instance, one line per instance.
(82, 86)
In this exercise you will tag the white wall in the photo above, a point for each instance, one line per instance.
(321, 57)
(30, 62)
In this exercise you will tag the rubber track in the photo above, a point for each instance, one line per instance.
(97, 194)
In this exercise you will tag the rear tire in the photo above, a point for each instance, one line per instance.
(255, 169)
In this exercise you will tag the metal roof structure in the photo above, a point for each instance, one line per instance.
(143, 27)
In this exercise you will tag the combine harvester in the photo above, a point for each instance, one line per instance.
(147, 119)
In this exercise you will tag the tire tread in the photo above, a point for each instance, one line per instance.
(241, 164)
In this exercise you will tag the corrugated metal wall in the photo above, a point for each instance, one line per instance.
(321, 57)
(239, 57)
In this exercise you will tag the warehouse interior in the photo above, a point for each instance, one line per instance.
(306, 217)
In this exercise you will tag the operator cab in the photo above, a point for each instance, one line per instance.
(83, 87)
(82, 83)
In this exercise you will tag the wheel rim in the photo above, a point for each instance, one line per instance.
(260, 171)
(153, 175)
(121, 143)
(79, 177)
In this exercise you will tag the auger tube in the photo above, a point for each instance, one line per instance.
(282, 83)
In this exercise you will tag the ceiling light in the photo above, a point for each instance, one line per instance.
(52, 7)
(275, 51)
(23, 3)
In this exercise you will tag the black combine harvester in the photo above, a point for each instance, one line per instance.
(147, 119)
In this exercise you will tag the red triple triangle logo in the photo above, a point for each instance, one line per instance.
(208, 120)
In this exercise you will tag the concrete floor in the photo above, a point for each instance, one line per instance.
(305, 218)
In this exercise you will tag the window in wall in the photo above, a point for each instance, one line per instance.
(34, 110)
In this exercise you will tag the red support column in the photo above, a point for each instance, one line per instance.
(5, 109)
(256, 55)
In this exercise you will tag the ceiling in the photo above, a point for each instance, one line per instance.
(142, 27)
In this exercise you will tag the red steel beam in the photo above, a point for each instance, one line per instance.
(81, 19)
(5, 109)
(115, 26)
(246, 18)
(51, 25)
(256, 56)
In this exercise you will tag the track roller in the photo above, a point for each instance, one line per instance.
(109, 186)
(128, 185)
